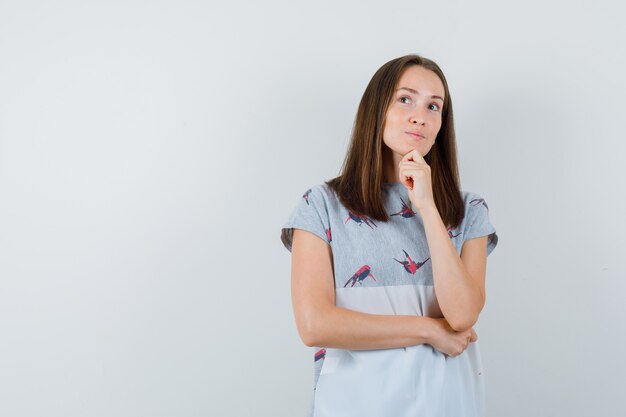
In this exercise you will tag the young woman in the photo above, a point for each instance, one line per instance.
(389, 260)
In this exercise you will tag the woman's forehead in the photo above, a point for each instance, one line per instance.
(419, 80)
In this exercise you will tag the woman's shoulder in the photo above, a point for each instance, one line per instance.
(470, 197)
(320, 195)
(476, 222)
(321, 190)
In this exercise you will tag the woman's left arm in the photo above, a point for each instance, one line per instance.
(459, 280)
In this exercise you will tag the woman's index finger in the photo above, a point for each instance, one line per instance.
(414, 155)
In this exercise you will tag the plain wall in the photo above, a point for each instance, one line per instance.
(151, 150)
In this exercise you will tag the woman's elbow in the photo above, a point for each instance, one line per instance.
(310, 330)
(463, 324)
(308, 337)
(467, 321)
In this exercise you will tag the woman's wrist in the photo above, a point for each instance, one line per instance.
(428, 329)
(429, 211)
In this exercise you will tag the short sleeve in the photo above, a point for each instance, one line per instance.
(310, 214)
(477, 222)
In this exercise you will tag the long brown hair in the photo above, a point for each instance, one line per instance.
(359, 185)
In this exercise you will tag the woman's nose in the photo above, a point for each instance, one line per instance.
(417, 116)
(417, 119)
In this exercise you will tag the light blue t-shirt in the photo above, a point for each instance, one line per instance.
(384, 268)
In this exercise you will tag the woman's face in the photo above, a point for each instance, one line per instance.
(414, 115)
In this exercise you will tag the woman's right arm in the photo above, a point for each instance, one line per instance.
(321, 323)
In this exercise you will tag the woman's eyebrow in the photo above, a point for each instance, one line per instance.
(416, 92)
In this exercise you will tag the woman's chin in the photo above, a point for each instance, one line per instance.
(422, 151)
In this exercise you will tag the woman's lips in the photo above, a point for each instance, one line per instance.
(415, 135)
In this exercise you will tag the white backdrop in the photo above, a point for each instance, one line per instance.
(151, 150)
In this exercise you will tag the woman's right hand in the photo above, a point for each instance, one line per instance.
(448, 341)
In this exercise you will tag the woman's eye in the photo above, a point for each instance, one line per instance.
(404, 97)
(436, 105)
